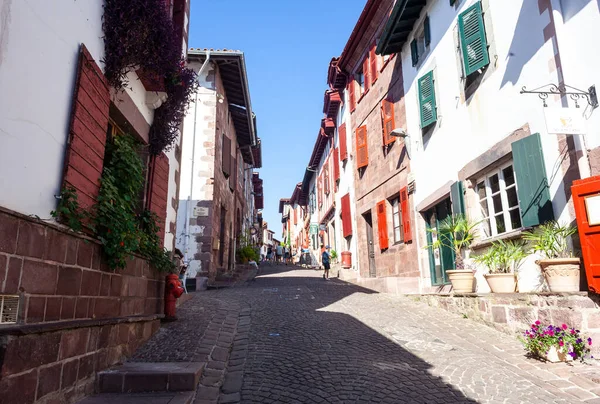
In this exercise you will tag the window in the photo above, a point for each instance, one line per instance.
(397, 220)
(312, 201)
(498, 202)
(420, 44)
(360, 82)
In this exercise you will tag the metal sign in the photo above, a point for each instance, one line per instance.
(322, 227)
(314, 229)
(567, 121)
(200, 211)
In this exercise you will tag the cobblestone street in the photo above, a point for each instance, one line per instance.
(291, 337)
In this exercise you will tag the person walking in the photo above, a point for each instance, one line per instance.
(286, 256)
(325, 259)
(279, 251)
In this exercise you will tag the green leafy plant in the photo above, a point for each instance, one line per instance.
(503, 256)
(539, 339)
(121, 183)
(334, 255)
(247, 253)
(68, 210)
(456, 232)
(551, 240)
(151, 245)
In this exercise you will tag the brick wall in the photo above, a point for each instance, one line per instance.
(384, 176)
(87, 133)
(67, 296)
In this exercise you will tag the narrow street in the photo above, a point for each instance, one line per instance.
(291, 337)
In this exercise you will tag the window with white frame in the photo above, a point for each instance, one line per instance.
(397, 220)
(498, 201)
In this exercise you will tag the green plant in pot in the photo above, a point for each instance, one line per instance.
(457, 232)
(558, 263)
(502, 260)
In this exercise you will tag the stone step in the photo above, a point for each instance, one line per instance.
(180, 397)
(137, 377)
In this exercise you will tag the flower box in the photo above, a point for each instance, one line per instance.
(554, 355)
(556, 344)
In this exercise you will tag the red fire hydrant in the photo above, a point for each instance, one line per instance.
(173, 291)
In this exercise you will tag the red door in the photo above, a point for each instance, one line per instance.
(589, 227)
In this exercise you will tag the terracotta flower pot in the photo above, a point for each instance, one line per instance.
(562, 274)
(462, 280)
(501, 282)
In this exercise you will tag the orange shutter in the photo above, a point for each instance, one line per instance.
(366, 75)
(351, 92)
(343, 147)
(373, 62)
(387, 119)
(384, 242)
(362, 152)
(346, 216)
(326, 176)
(336, 164)
(404, 206)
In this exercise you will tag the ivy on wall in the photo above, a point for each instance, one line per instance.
(116, 219)
(139, 35)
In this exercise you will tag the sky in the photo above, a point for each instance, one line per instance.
(287, 45)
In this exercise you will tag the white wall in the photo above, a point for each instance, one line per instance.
(519, 57)
(346, 185)
(199, 123)
(39, 47)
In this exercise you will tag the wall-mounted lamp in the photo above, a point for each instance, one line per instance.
(401, 133)
(220, 98)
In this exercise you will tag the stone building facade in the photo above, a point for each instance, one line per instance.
(217, 200)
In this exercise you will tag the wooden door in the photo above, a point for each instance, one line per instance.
(586, 199)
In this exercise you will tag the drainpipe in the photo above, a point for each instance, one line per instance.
(188, 213)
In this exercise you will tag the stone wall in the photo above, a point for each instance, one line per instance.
(75, 316)
(515, 312)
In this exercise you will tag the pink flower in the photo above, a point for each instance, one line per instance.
(537, 322)
(560, 343)
(564, 327)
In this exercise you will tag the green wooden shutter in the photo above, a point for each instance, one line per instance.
(457, 198)
(532, 183)
(414, 52)
(472, 39)
(427, 31)
(427, 100)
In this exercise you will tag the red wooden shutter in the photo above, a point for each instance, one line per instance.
(373, 64)
(326, 176)
(159, 190)
(351, 92)
(362, 152)
(404, 207)
(384, 241)
(387, 119)
(336, 164)
(343, 147)
(346, 216)
(87, 132)
(366, 75)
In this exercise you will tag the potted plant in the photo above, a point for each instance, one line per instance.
(457, 232)
(559, 265)
(555, 344)
(334, 256)
(502, 260)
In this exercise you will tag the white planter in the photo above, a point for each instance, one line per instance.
(554, 355)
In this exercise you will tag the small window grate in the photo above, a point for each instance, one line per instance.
(9, 308)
